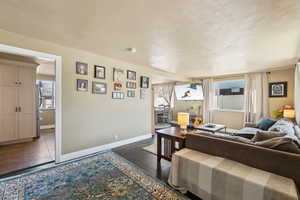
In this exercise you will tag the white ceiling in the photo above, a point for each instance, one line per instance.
(193, 38)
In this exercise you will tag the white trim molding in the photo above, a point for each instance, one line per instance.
(47, 126)
(58, 88)
(93, 150)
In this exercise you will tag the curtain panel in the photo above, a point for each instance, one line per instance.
(297, 91)
(256, 97)
(208, 103)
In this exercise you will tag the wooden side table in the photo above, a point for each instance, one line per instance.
(171, 136)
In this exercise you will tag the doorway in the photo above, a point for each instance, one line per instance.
(34, 140)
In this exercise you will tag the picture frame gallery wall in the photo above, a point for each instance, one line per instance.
(124, 83)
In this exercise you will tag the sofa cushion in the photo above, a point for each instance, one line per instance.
(249, 130)
(280, 143)
(297, 131)
(265, 124)
(286, 126)
(226, 137)
(265, 135)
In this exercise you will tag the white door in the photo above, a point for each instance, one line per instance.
(8, 103)
(27, 98)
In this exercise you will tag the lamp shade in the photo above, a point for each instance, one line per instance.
(183, 119)
(289, 113)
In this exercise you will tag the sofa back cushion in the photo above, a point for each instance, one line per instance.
(286, 126)
(280, 143)
(265, 135)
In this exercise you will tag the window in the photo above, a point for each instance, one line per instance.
(229, 95)
(46, 94)
(161, 94)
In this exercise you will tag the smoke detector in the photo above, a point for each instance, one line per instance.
(131, 50)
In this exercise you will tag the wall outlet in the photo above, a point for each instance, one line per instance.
(116, 137)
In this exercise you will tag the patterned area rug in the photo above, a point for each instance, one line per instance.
(102, 176)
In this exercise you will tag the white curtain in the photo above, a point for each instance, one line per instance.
(297, 91)
(256, 97)
(208, 104)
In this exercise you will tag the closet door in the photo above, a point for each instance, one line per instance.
(8, 103)
(27, 103)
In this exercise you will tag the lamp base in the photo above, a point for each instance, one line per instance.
(183, 131)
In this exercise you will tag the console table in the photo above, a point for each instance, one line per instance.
(170, 137)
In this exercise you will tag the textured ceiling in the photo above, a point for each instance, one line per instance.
(193, 38)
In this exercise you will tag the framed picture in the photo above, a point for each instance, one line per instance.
(118, 75)
(81, 68)
(130, 93)
(131, 85)
(278, 89)
(131, 75)
(99, 88)
(144, 82)
(118, 95)
(82, 85)
(117, 86)
(99, 72)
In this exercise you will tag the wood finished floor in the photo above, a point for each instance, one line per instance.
(20, 156)
(147, 161)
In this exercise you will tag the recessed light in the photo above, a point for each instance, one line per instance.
(131, 50)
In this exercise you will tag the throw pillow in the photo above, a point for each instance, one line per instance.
(297, 131)
(265, 124)
(265, 135)
(280, 143)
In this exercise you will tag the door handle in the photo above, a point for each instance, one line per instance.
(16, 109)
(20, 109)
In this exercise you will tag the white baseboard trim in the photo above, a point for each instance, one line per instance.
(47, 126)
(92, 150)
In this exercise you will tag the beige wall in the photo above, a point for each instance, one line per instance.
(184, 106)
(236, 119)
(279, 76)
(90, 120)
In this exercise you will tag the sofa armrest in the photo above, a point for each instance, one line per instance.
(250, 124)
(278, 162)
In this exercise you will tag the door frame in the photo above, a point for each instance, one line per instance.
(58, 89)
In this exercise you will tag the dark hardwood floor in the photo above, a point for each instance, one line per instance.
(135, 154)
(147, 161)
(16, 157)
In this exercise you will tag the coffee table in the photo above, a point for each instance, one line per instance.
(217, 128)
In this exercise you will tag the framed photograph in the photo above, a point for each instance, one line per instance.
(99, 88)
(131, 75)
(144, 82)
(131, 85)
(118, 75)
(117, 86)
(278, 89)
(82, 85)
(130, 93)
(81, 68)
(118, 95)
(99, 72)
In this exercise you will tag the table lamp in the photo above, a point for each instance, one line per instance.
(289, 114)
(183, 120)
